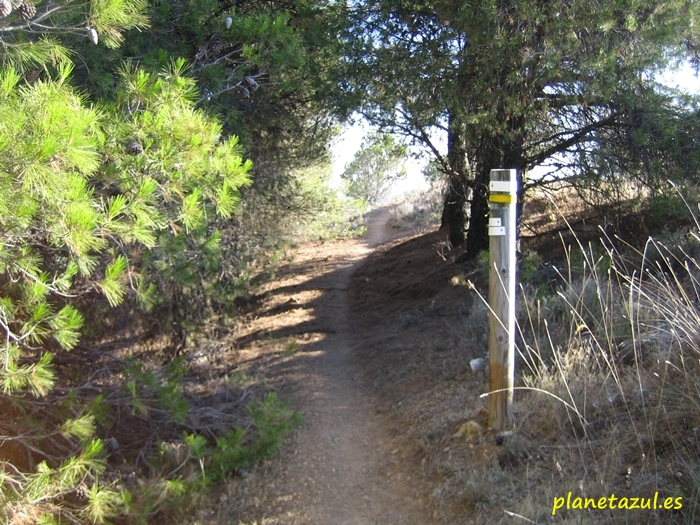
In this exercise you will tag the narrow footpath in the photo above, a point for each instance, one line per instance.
(343, 465)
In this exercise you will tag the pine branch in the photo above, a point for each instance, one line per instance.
(576, 137)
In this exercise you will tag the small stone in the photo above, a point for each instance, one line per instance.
(479, 364)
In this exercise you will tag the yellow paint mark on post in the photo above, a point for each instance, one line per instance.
(502, 198)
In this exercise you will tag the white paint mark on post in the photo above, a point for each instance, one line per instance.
(502, 200)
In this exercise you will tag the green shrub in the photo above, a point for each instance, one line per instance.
(240, 449)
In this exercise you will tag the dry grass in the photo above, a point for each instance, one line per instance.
(609, 393)
(608, 398)
(609, 389)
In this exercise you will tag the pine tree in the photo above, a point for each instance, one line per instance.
(82, 186)
(376, 167)
(73, 201)
(514, 84)
(35, 35)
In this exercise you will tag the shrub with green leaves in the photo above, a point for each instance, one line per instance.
(242, 448)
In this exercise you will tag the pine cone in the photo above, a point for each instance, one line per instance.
(5, 8)
(216, 44)
(252, 84)
(111, 444)
(92, 35)
(82, 493)
(26, 11)
(134, 147)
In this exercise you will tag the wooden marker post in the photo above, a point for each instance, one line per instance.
(502, 232)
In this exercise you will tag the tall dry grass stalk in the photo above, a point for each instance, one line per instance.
(621, 348)
(615, 345)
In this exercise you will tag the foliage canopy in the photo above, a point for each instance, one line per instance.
(521, 84)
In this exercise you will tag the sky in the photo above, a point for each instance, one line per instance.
(349, 141)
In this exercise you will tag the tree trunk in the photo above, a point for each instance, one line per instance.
(454, 212)
(454, 215)
(478, 231)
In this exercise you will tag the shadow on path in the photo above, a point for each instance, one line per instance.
(342, 466)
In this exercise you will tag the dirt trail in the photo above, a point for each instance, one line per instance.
(344, 466)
